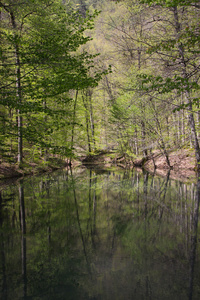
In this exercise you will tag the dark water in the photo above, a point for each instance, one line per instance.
(87, 235)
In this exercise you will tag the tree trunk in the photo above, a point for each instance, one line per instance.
(87, 120)
(183, 124)
(143, 139)
(45, 120)
(136, 141)
(18, 89)
(73, 124)
(109, 90)
(91, 118)
(163, 147)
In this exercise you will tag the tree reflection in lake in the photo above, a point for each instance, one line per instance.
(83, 234)
(23, 236)
(194, 235)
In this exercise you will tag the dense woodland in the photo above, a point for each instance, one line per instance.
(81, 76)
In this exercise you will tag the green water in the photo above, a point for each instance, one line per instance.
(99, 235)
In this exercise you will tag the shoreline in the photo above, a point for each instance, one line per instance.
(182, 162)
(14, 171)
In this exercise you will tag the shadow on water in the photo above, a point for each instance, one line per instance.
(87, 234)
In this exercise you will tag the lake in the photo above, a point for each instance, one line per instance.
(92, 234)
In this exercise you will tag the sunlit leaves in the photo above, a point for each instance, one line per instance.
(170, 3)
(48, 35)
(166, 85)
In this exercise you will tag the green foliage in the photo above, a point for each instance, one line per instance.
(166, 85)
(170, 3)
(67, 49)
(49, 37)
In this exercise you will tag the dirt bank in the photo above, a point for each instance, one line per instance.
(8, 170)
(182, 162)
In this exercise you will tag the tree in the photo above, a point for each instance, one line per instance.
(40, 53)
(181, 50)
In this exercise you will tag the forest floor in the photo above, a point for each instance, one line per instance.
(182, 162)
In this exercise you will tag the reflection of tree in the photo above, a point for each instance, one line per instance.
(194, 239)
(145, 192)
(4, 283)
(163, 194)
(45, 193)
(93, 230)
(79, 224)
(146, 227)
(23, 237)
(92, 208)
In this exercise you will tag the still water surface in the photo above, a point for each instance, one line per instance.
(112, 235)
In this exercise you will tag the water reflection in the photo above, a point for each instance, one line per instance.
(81, 234)
(194, 235)
(23, 236)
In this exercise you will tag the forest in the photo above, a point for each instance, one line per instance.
(115, 83)
(83, 76)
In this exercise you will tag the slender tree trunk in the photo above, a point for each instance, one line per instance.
(88, 136)
(175, 130)
(45, 120)
(144, 138)
(136, 141)
(144, 145)
(87, 123)
(18, 89)
(109, 90)
(167, 123)
(105, 121)
(183, 123)
(179, 127)
(91, 118)
(163, 147)
(73, 124)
